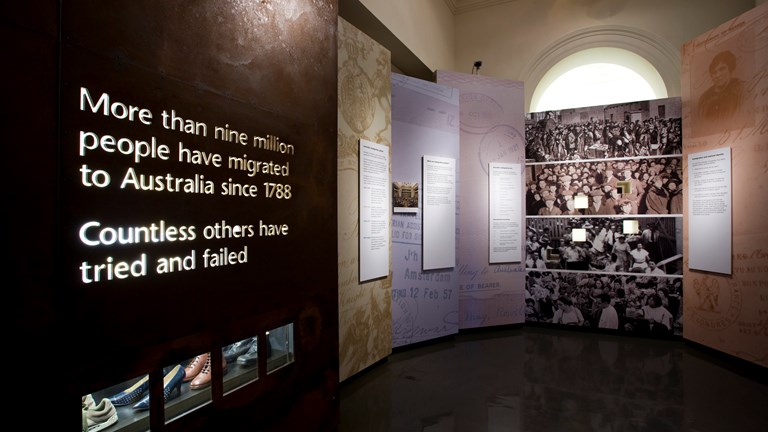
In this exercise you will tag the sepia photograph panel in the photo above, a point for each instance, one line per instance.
(627, 186)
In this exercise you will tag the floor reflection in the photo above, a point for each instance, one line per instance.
(534, 379)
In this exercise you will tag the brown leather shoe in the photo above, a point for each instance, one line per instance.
(195, 366)
(203, 379)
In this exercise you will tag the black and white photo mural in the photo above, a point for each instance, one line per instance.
(604, 196)
(655, 248)
(649, 186)
(633, 129)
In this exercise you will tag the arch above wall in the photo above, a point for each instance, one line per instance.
(597, 76)
(659, 53)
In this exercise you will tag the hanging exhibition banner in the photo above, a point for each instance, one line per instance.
(363, 111)
(374, 210)
(725, 100)
(425, 303)
(492, 131)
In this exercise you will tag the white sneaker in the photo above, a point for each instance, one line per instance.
(99, 416)
(87, 402)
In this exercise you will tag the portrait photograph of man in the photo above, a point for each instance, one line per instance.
(724, 101)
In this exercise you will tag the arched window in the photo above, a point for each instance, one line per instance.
(597, 76)
(645, 53)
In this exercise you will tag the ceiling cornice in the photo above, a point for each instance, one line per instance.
(461, 6)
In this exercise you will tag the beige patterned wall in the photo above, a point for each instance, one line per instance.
(364, 97)
(730, 312)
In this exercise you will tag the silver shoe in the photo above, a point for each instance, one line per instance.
(238, 348)
(251, 357)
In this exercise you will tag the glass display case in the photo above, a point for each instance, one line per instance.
(242, 358)
(119, 408)
(125, 407)
(281, 349)
(99, 412)
(187, 386)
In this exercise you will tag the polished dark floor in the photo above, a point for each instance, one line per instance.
(540, 379)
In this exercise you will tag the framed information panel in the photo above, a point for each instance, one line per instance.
(504, 215)
(709, 210)
(439, 248)
(374, 202)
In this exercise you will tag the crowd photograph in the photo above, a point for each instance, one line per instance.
(614, 131)
(611, 187)
(655, 248)
(639, 304)
(588, 171)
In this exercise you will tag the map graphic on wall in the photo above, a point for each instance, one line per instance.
(614, 262)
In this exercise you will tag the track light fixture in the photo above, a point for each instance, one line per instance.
(476, 67)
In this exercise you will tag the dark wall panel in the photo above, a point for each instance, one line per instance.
(258, 68)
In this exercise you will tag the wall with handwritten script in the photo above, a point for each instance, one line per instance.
(425, 121)
(491, 123)
(730, 312)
